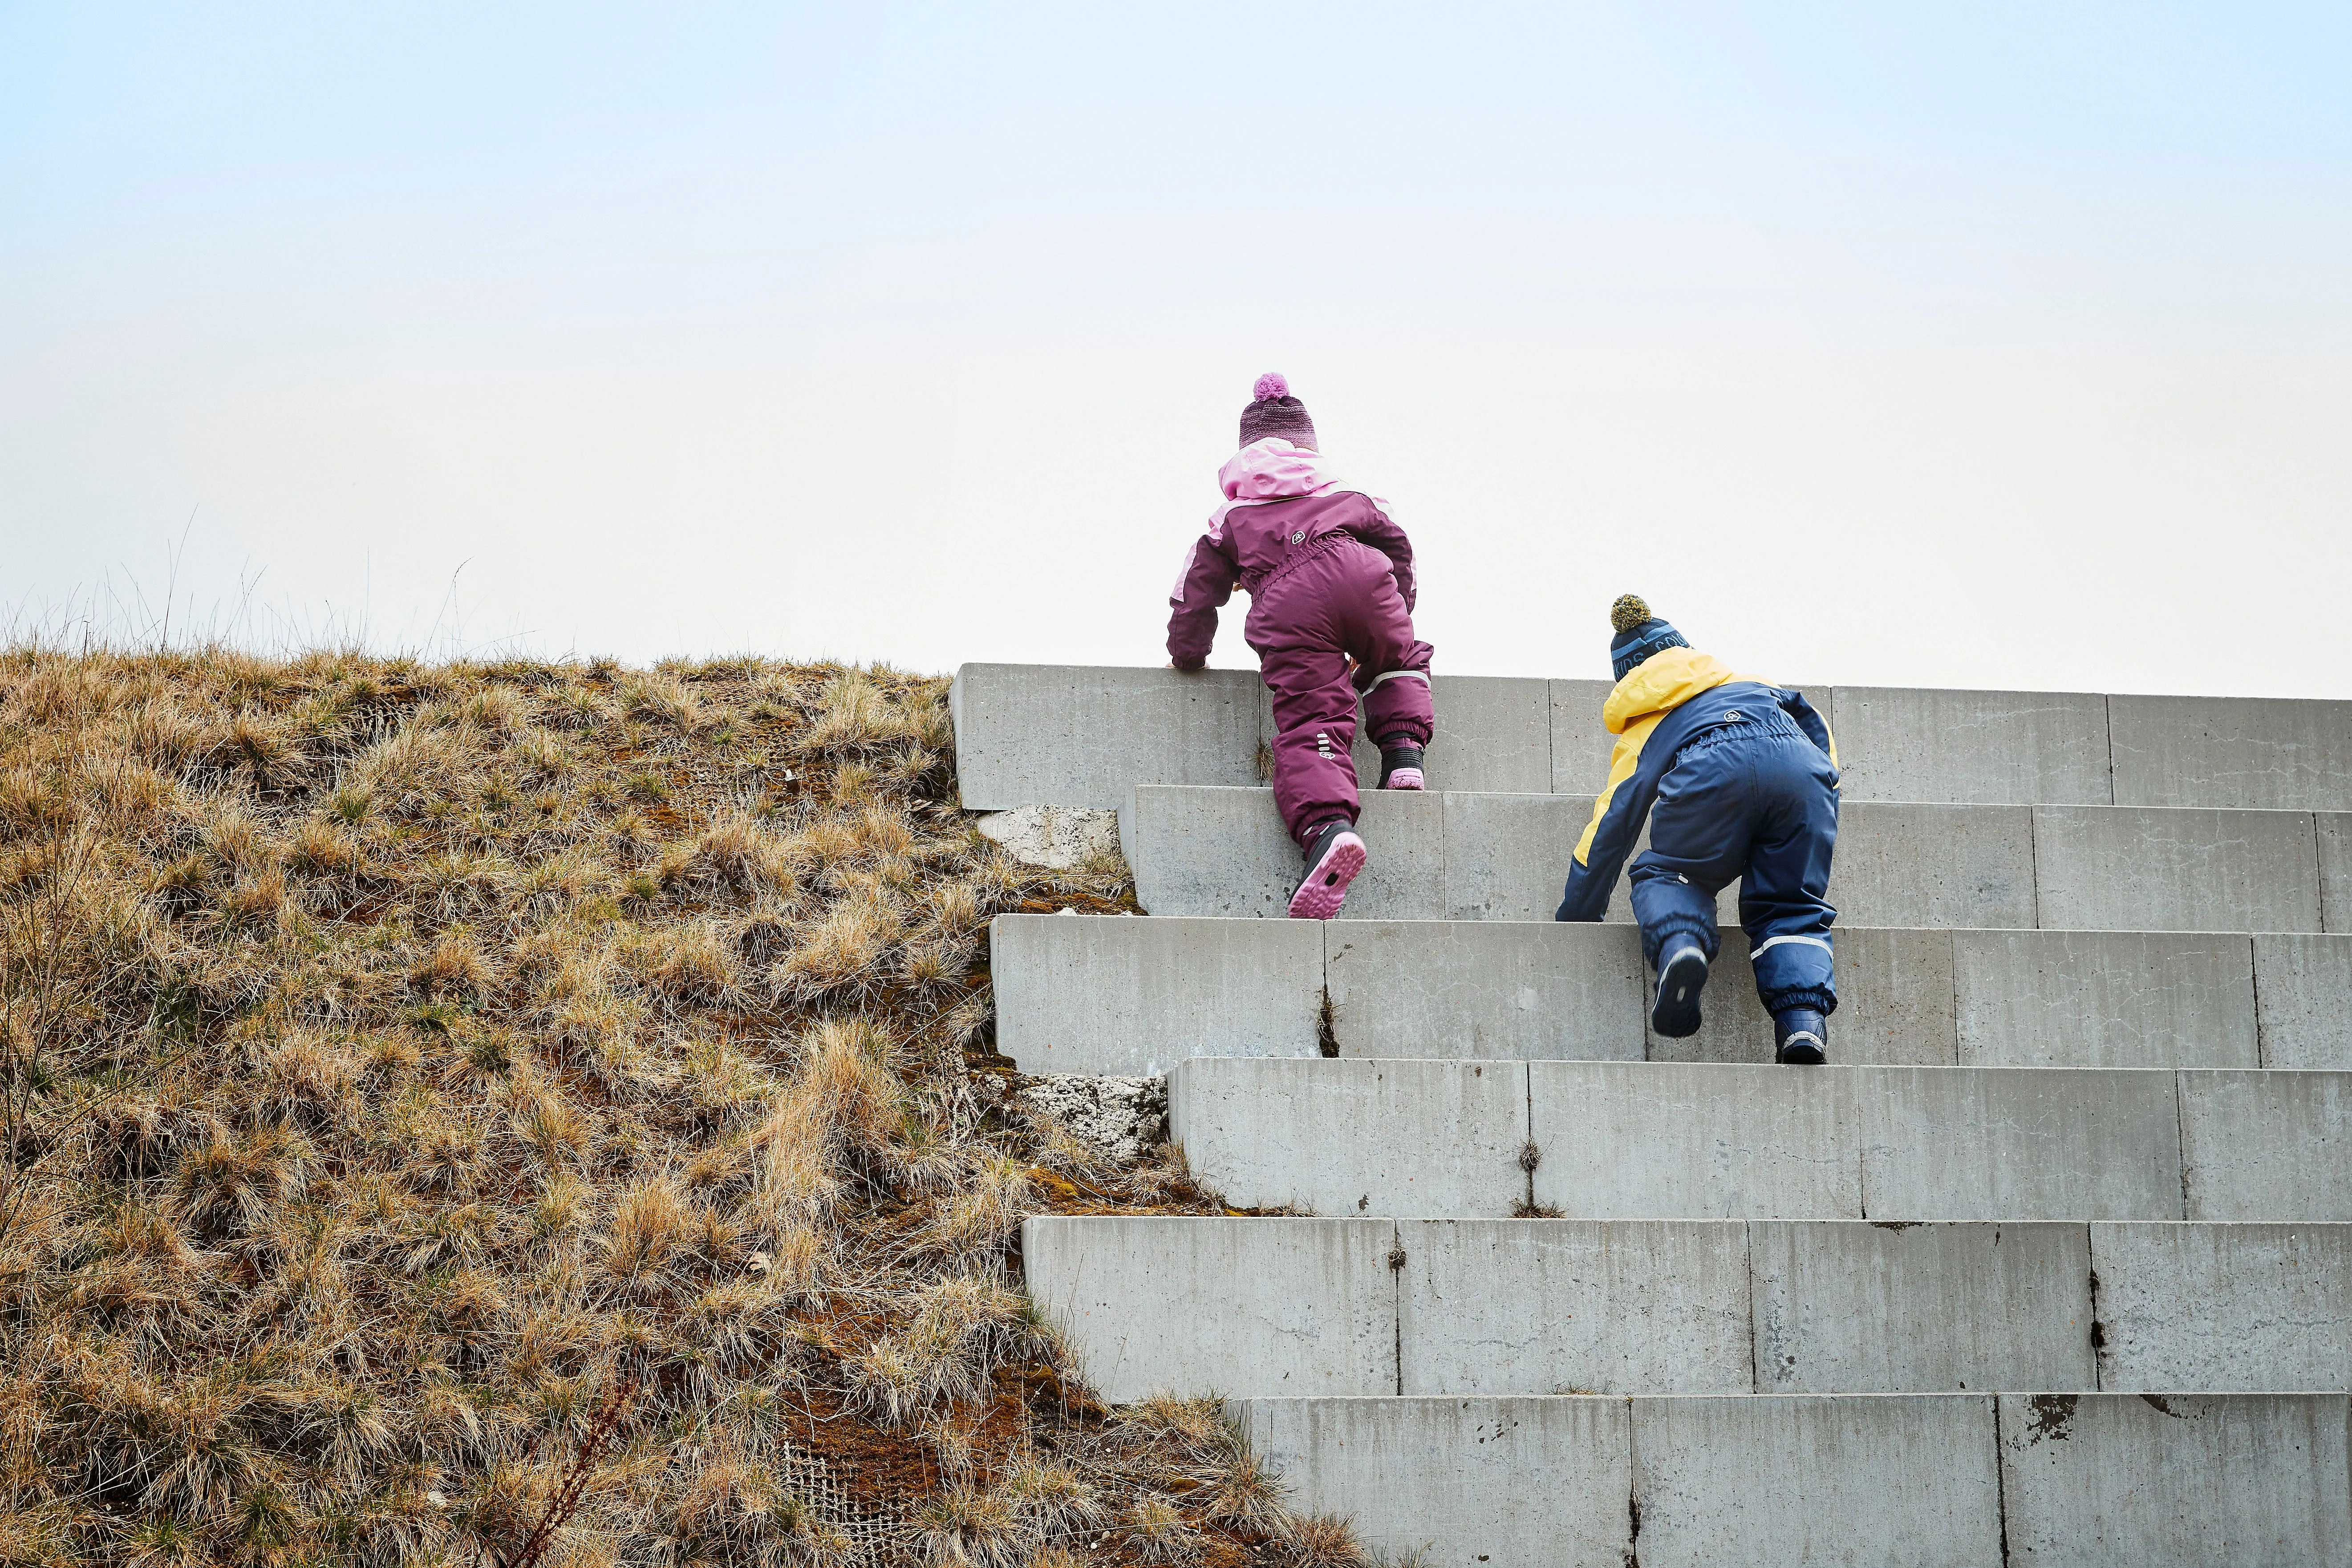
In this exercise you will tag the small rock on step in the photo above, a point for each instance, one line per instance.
(1054, 837)
(1124, 1118)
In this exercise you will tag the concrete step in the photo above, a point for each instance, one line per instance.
(1678, 1141)
(1455, 856)
(1253, 1308)
(1081, 735)
(2081, 1480)
(1088, 994)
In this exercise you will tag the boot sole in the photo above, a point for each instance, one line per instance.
(1404, 778)
(1675, 1014)
(1802, 1053)
(1325, 888)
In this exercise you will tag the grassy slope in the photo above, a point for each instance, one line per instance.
(421, 1078)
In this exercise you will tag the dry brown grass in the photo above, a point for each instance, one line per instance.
(401, 1060)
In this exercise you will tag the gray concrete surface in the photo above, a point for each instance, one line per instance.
(1082, 994)
(2119, 999)
(2017, 1143)
(1213, 852)
(1255, 1306)
(2274, 754)
(1675, 1141)
(1493, 733)
(2149, 869)
(1574, 1306)
(2122, 1481)
(1889, 1308)
(1917, 744)
(1152, 1303)
(1900, 865)
(1082, 735)
(1224, 852)
(1460, 1482)
(1895, 997)
(2225, 1308)
(1032, 735)
(1671, 1140)
(1489, 991)
(2044, 1171)
(1891, 1480)
(1355, 1137)
(1507, 856)
(2334, 828)
(2086, 1481)
(2302, 983)
(2268, 1144)
(1581, 744)
(1107, 994)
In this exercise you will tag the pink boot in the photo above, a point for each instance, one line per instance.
(1332, 865)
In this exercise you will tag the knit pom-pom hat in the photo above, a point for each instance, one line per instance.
(1639, 634)
(1273, 412)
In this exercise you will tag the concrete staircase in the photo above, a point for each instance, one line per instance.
(2055, 1266)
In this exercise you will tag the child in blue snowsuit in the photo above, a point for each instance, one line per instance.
(1744, 778)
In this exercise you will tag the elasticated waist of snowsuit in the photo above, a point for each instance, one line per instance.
(1767, 719)
(1323, 546)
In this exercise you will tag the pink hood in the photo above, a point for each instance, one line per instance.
(1270, 470)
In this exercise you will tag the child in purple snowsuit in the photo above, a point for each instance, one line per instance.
(1331, 591)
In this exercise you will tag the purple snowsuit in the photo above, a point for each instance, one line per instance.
(1329, 576)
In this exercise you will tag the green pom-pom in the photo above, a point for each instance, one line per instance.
(1630, 611)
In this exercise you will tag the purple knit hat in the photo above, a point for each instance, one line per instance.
(1277, 413)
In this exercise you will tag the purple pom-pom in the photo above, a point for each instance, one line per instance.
(1271, 384)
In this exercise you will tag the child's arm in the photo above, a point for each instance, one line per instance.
(1609, 837)
(1380, 530)
(1206, 581)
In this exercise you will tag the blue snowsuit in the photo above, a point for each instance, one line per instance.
(1743, 778)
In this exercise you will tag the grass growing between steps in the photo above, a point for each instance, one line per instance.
(502, 1113)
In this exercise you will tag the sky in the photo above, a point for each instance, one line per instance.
(2004, 346)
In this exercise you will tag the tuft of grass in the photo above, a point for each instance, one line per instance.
(1158, 1532)
(1053, 1500)
(1321, 1540)
(966, 1528)
(661, 699)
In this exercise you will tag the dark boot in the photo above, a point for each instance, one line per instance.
(1400, 765)
(1682, 975)
(1801, 1037)
(1333, 858)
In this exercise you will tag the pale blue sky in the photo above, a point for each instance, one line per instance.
(1958, 346)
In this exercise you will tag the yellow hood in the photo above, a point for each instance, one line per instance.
(1662, 683)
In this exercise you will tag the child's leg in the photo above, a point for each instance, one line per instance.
(1698, 842)
(1784, 894)
(1391, 666)
(1314, 725)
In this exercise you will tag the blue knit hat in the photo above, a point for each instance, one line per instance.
(1639, 634)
